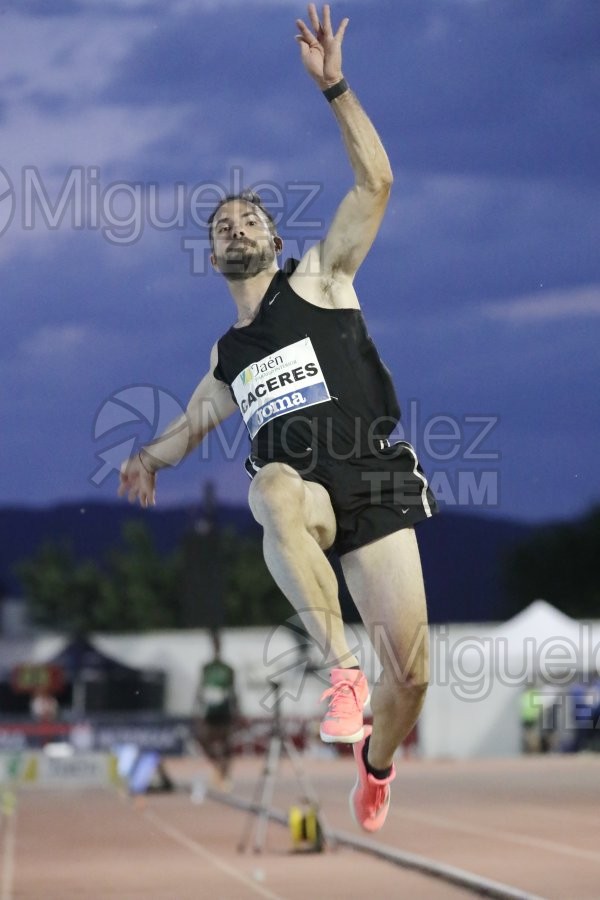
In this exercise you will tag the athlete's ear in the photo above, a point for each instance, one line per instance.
(213, 260)
(278, 243)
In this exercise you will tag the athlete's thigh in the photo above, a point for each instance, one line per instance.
(386, 582)
(281, 484)
(319, 514)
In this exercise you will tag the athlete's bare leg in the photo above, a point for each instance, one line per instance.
(299, 524)
(386, 583)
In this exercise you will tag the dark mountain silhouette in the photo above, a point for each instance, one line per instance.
(463, 555)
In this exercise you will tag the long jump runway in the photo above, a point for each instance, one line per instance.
(529, 824)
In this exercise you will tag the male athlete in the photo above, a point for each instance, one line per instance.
(320, 409)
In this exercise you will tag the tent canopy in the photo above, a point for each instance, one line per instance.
(542, 622)
(80, 656)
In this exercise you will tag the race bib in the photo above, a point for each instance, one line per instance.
(289, 380)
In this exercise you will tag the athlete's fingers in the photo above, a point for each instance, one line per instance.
(327, 19)
(124, 481)
(125, 485)
(314, 18)
(339, 35)
(305, 33)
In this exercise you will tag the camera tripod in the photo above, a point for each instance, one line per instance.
(265, 786)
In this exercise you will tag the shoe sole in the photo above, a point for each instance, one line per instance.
(351, 803)
(342, 738)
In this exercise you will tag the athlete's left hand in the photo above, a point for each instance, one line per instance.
(137, 482)
(321, 49)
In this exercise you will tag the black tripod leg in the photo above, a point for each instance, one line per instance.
(267, 794)
(258, 791)
(263, 795)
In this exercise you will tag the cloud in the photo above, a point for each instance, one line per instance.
(549, 306)
(74, 60)
(53, 341)
(52, 81)
(104, 137)
(454, 241)
(52, 118)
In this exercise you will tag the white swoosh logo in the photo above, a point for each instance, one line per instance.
(274, 298)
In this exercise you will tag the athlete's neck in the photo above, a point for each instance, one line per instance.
(247, 295)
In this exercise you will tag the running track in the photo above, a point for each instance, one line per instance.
(532, 824)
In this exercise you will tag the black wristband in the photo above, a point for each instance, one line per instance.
(335, 90)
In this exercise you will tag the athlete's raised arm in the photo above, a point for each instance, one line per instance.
(210, 404)
(359, 216)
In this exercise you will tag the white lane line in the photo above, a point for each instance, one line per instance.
(510, 837)
(8, 857)
(198, 850)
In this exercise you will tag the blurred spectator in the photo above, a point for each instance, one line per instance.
(216, 712)
(531, 721)
(44, 707)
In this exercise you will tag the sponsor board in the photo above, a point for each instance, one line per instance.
(75, 771)
(165, 734)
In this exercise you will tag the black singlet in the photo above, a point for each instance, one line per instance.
(307, 379)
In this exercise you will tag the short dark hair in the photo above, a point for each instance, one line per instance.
(248, 197)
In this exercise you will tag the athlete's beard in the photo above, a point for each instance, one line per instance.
(245, 259)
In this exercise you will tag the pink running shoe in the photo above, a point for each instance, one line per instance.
(370, 797)
(343, 721)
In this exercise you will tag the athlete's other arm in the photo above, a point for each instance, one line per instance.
(210, 404)
(359, 216)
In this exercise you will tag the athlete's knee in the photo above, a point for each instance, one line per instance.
(411, 691)
(416, 679)
(276, 495)
(393, 697)
(411, 684)
(415, 686)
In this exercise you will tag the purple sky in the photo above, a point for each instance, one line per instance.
(482, 290)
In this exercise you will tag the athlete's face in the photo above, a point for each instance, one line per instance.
(243, 244)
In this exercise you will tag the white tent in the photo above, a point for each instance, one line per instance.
(18, 651)
(472, 706)
(542, 623)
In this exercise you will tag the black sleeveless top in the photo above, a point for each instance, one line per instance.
(307, 379)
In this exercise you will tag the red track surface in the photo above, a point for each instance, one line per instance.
(531, 823)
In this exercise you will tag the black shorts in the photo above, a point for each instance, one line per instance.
(371, 496)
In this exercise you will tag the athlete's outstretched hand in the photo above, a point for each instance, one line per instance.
(320, 48)
(137, 482)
